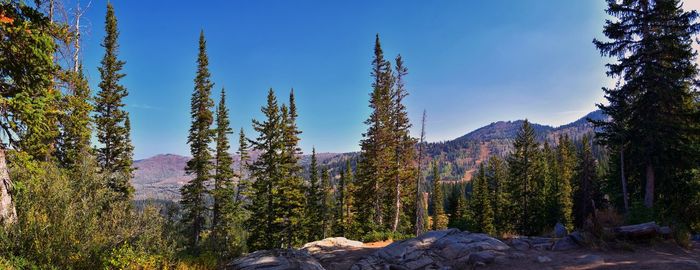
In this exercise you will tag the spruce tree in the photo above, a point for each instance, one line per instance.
(113, 131)
(498, 182)
(373, 170)
(291, 197)
(244, 162)
(566, 161)
(313, 211)
(586, 182)
(200, 136)
(267, 172)
(226, 212)
(326, 204)
(522, 186)
(654, 108)
(76, 124)
(404, 169)
(483, 213)
(437, 201)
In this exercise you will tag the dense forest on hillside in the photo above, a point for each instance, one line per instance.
(66, 203)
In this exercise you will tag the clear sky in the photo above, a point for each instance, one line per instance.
(470, 62)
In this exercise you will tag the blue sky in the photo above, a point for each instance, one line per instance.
(470, 62)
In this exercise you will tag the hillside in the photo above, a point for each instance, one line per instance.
(161, 176)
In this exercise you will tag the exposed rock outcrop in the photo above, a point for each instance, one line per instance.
(277, 259)
(435, 250)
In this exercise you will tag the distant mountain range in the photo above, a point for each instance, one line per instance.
(161, 176)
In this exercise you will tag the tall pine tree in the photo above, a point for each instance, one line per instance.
(115, 155)
(200, 136)
(522, 186)
(437, 201)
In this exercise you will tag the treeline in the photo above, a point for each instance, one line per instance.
(526, 192)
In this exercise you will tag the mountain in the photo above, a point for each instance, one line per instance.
(161, 176)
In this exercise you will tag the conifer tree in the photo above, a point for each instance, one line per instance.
(349, 210)
(586, 178)
(113, 130)
(313, 210)
(244, 158)
(267, 172)
(498, 182)
(522, 168)
(291, 197)
(326, 204)
(654, 108)
(482, 211)
(340, 204)
(437, 201)
(76, 124)
(225, 209)
(566, 161)
(200, 136)
(404, 170)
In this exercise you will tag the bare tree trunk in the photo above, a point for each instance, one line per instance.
(397, 202)
(649, 193)
(51, 8)
(625, 197)
(420, 206)
(8, 214)
(76, 55)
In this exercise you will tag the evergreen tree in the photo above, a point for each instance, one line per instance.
(373, 172)
(113, 131)
(267, 173)
(482, 211)
(348, 200)
(314, 193)
(291, 197)
(404, 170)
(498, 182)
(200, 136)
(437, 201)
(226, 221)
(566, 161)
(76, 124)
(244, 158)
(587, 184)
(521, 164)
(326, 204)
(654, 109)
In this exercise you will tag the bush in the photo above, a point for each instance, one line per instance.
(376, 236)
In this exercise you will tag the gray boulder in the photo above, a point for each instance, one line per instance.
(277, 259)
(435, 250)
(559, 230)
(566, 243)
(326, 248)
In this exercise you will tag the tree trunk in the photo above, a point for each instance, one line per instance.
(8, 214)
(649, 194)
(397, 202)
(625, 198)
(420, 210)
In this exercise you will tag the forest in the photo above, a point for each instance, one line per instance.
(66, 158)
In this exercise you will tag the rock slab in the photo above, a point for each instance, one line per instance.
(277, 259)
(435, 250)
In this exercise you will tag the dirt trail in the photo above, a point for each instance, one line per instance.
(664, 255)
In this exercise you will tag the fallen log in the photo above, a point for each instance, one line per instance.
(638, 231)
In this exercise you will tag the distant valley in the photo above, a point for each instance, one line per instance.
(161, 176)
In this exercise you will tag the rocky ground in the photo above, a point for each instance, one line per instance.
(452, 249)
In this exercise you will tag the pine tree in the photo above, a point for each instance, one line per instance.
(437, 201)
(244, 158)
(498, 182)
(226, 211)
(267, 173)
(373, 172)
(404, 170)
(522, 179)
(200, 136)
(76, 124)
(314, 193)
(326, 204)
(587, 184)
(654, 108)
(341, 218)
(482, 211)
(291, 197)
(349, 208)
(112, 121)
(566, 162)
